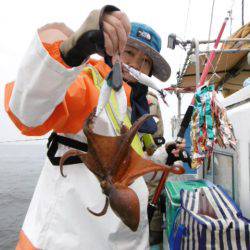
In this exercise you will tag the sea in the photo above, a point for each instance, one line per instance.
(20, 167)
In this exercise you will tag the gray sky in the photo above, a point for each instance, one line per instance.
(20, 19)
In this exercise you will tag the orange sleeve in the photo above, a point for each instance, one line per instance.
(58, 117)
(69, 115)
(54, 51)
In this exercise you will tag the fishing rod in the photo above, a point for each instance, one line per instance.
(184, 125)
(187, 117)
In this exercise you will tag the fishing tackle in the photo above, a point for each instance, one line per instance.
(146, 80)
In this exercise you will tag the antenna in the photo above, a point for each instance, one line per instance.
(242, 12)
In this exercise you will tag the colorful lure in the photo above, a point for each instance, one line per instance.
(209, 125)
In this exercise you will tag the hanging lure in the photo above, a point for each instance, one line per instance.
(146, 80)
(113, 82)
(209, 126)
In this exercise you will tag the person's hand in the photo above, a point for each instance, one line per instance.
(178, 147)
(116, 28)
(104, 30)
(176, 151)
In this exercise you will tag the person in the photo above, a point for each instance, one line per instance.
(156, 224)
(56, 88)
(165, 153)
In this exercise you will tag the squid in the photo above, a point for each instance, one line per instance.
(116, 165)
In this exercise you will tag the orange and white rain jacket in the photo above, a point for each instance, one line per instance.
(47, 95)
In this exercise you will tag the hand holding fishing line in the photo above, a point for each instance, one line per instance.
(105, 31)
(116, 28)
(113, 81)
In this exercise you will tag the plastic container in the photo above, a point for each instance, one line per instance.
(172, 193)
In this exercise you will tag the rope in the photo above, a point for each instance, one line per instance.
(217, 63)
(185, 31)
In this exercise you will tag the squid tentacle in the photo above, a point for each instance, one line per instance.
(68, 154)
(104, 210)
(86, 128)
(127, 140)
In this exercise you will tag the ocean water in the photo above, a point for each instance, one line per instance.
(20, 166)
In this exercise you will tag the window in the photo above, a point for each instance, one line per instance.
(223, 170)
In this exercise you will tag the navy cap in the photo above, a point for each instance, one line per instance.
(148, 41)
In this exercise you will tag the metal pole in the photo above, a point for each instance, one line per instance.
(221, 41)
(179, 77)
(179, 105)
(225, 51)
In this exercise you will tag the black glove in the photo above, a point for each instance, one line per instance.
(183, 154)
(87, 40)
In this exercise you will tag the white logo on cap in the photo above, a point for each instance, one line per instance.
(144, 34)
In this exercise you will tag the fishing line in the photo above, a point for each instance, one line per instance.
(40, 139)
(211, 21)
(187, 18)
(185, 32)
(223, 46)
